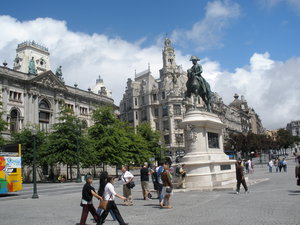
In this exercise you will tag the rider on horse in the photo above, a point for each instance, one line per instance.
(197, 84)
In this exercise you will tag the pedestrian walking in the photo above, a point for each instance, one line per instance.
(276, 165)
(167, 189)
(284, 165)
(155, 180)
(270, 164)
(126, 178)
(109, 195)
(240, 177)
(247, 166)
(159, 171)
(88, 192)
(251, 166)
(145, 172)
(102, 184)
(280, 165)
(297, 171)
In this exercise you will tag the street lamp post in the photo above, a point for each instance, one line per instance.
(161, 154)
(78, 131)
(35, 195)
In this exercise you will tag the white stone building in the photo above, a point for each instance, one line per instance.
(34, 99)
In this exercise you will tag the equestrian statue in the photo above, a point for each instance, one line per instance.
(197, 85)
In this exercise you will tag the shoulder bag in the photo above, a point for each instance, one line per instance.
(103, 204)
(130, 185)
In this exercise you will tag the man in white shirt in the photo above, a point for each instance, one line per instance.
(126, 177)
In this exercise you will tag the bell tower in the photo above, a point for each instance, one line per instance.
(30, 50)
(168, 55)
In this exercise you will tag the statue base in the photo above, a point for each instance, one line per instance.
(206, 164)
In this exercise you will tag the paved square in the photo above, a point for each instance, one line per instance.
(274, 201)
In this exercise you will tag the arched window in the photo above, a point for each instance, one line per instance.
(44, 114)
(14, 120)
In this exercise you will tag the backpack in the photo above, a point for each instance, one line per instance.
(154, 177)
(177, 171)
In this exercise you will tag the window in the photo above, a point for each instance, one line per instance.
(156, 113)
(177, 110)
(14, 120)
(157, 125)
(83, 111)
(165, 110)
(136, 115)
(15, 96)
(70, 106)
(213, 140)
(144, 115)
(135, 101)
(44, 115)
(166, 125)
(154, 96)
(163, 95)
(177, 122)
(179, 138)
(167, 139)
(143, 100)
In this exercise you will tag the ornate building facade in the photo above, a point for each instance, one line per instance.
(31, 93)
(294, 128)
(161, 103)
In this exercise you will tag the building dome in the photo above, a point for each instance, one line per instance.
(238, 103)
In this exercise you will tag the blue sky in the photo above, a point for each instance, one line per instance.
(240, 42)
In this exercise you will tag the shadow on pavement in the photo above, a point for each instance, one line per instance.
(293, 192)
(8, 195)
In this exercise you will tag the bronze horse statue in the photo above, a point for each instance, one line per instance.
(197, 85)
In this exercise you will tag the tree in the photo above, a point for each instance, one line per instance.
(66, 144)
(114, 141)
(3, 126)
(284, 138)
(152, 138)
(26, 139)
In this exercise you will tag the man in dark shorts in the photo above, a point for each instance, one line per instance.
(145, 180)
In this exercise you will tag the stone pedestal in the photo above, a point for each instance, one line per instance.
(206, 163)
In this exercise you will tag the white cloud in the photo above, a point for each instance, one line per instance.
(208, 32)
(83, 57)
(269, 4)
(271, 87)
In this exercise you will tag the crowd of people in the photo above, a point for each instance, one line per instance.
(278, 164)
(162, 178)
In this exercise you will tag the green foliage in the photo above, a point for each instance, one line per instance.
(66, 137)
(26, 139)
(115, 142)
(284, 138)
(152, 137)
(3, 126)
(250, 143)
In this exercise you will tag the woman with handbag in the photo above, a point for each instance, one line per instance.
(167, 190)
(102, 184)
(108, 202)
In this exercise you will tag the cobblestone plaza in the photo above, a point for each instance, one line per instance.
(273, 199)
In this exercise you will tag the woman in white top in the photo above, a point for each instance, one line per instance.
(109, 195)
